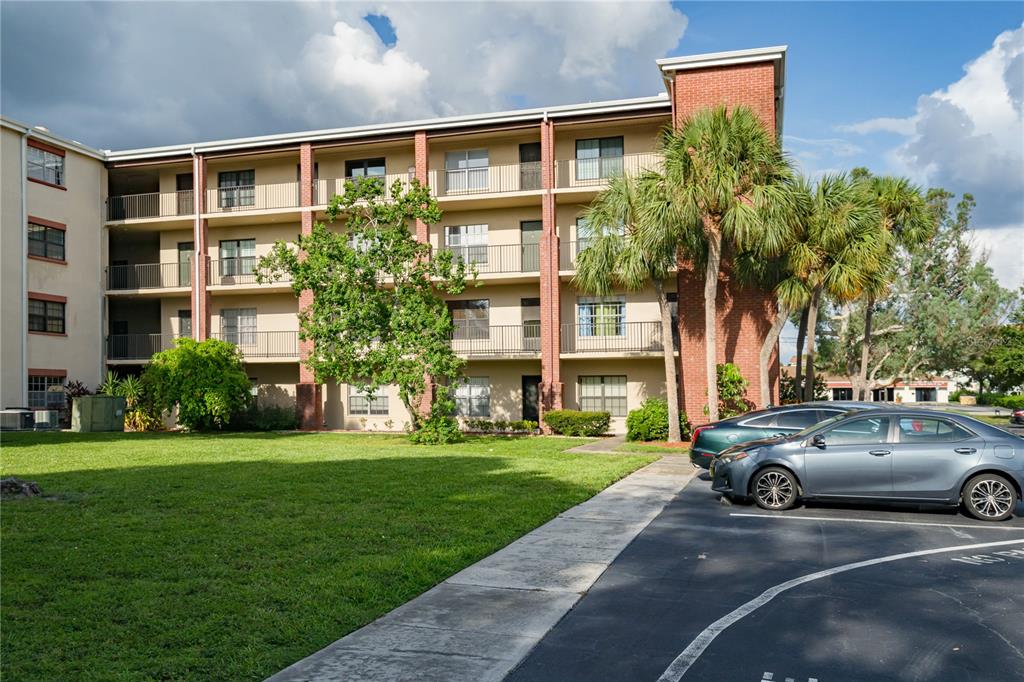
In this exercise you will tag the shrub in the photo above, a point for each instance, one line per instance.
(576, 423)
(732, 392)
(650, 421)
(271, 418)
(500, 426)
(437, 429)
(1010, 402)
(205, 380)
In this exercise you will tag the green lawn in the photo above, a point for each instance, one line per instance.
(173, 556)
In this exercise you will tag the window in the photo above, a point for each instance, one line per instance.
(45, 241)
(598, 158)
(360, 402)
(236, 188)
(867, 431)
(184, 324)
(237, 257)
(46, 392)
(925, 395)
(365, 168)
(45, 316)
(530, 311)
(468, 242)
(924, 430)
(465, 171)
(797, 420)
(842, 394)
(603, 394)
(472, 318)
(762, 421)
(473, 397)
(602, 316)
(585, 234)
(238, 325)
(45, 165)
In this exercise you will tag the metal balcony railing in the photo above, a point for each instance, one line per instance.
(498, 258)
(252, 197)
(597, 171)
(136, 346)
(612, 336)
(510, 339)
(569, 251)
(263, 344)
(151, 205)
(242, 270)
(512, 177)
(149, 276)
(324, 189)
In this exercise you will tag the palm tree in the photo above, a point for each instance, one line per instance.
(728, 183)
(614, 259)
(904, 220)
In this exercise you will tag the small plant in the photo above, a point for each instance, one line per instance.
(110, 384)
(437, 429)
(732, 392)
(650, 422)
(576, 423)
(788, 388)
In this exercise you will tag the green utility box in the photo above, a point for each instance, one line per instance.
(91, 413)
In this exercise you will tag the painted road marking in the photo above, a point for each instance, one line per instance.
(976, 526)
(993, 558)
(770, 677)
(691, 653)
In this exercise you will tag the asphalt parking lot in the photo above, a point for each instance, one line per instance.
(822, 593)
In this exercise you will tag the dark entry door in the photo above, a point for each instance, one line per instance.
(529, 166)
(531, 398)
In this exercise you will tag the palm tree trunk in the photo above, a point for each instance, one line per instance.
(770, 341)
(711, 316)
(812, 323)
(865, 350)
(669, 347)
(801, 336)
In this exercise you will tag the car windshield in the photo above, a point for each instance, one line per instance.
(815, 427)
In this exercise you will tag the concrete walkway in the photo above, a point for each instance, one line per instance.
(481, 622)
(605, 446)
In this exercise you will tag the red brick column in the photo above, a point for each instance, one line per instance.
(201, 257)
(308, 393)
(744, 315)
(551, 387)
(421, 169)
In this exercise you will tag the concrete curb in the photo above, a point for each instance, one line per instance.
(478, 624)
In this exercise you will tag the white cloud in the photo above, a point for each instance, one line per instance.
(833, 146)
(900, 126)
(1003, 246)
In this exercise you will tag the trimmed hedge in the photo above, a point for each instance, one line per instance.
(270, 418)
(501, 426)
(1011, 402)
(650, 422)
(576, 423)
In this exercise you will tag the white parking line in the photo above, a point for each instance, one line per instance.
(791, 517)
(683, 661)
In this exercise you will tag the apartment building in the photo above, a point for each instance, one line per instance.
(175, 233)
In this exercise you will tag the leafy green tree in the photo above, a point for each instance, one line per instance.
(204, 380)
(615, 259)
(728, 185)
(1001, 368)
(378, 316)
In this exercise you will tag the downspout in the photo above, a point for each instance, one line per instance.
(196, 228)
(24, 270)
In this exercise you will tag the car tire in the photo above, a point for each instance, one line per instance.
(989, 497)
(774, 489)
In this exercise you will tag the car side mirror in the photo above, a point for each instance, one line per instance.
(818, 441)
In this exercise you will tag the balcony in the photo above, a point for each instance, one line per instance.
(594, 173)
(149, 276)
(252, 198)
(151, 205)
(568, 253)
(241, 271)
(515, 340)
(283, 346)
(497, 179)
(498, 258)
(140, 347)
(325, 189)
(612, 338)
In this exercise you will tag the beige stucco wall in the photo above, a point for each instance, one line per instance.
(641, 306)
(503, 224)
(506, 379)
(637, 137)
(274, 312)
(645, 377)
(12, 253)
(505, 300)
(501, 149)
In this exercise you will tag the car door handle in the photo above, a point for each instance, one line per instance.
(879, 453)
(965, 451)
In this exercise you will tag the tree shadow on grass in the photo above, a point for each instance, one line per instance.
(233, 570)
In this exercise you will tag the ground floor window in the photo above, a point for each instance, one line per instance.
(46, 392)
(473, 397)
(925, 395)
(603, 394)
(842, 394)
(360, 402)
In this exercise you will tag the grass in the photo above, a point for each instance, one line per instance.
(174, 556)
(655, 448)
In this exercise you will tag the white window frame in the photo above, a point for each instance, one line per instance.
(466, 171)
(377, 406)
(604, 394)
(595, 316)
(467, 242)
(238, 326)
(45, 166)
(473, 397)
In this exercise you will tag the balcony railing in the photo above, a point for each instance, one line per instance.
(325, 188)
(252, 197)
(151, 205)
(263, 344)
(612, 336)
(597, 171)
(569, 252)
(498, 258)
(511, 339)
(149, 276)
(512, 177)
(136, 346)
(242, 270)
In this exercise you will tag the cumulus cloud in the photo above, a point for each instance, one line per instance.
(136, 74)
(884, 124)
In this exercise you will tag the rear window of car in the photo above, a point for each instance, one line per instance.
(764, 420)
(926, 430)
(797, 419)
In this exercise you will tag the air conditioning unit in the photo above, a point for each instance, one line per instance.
(17, 419)
(47, 420)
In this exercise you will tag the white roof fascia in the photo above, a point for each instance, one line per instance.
(55, 140)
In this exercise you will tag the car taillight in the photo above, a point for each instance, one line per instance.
(1016, 413)
(696, 432)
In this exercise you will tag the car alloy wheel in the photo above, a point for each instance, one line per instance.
(990, 498)
(775, 489)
